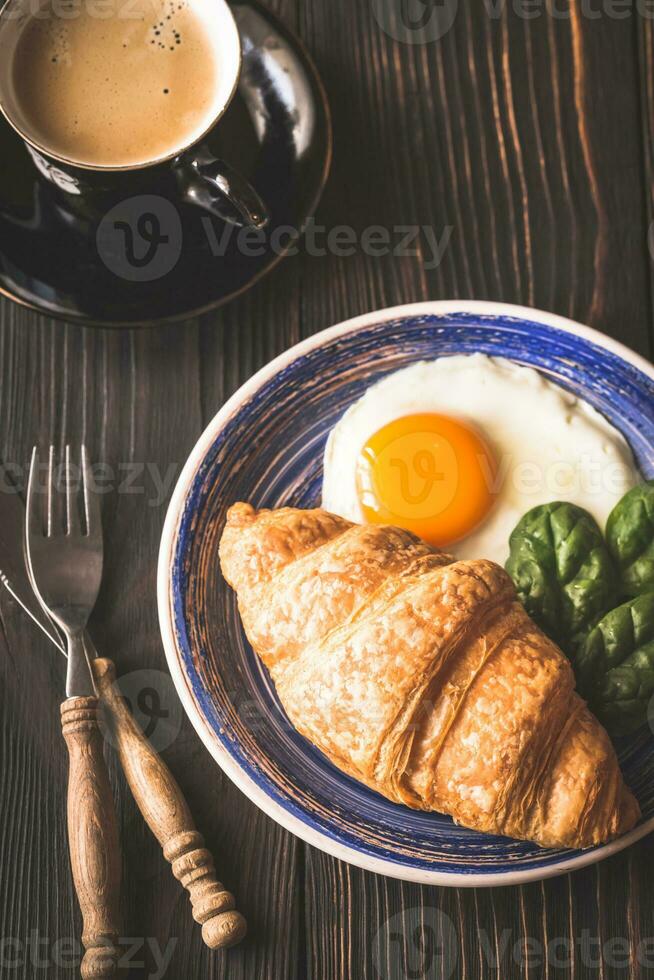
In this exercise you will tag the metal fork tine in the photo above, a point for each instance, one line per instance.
(73, 523)
(91, 502)
(56, 497)
(34, 505)
(51, 493)
(65, 569)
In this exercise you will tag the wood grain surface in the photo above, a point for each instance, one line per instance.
(530, 138)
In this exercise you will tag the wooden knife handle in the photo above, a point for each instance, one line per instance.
(93, 838)
(166, 812)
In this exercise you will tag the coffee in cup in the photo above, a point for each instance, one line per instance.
(119, 83)
(128, 87)
(117, 90)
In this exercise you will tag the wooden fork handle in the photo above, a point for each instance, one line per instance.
(167, 814)
(92, 837)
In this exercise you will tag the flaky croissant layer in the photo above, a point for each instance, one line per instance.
(423, 676)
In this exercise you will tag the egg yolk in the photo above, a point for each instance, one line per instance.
(428, 473)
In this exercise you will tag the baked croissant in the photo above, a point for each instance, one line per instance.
(423, 676)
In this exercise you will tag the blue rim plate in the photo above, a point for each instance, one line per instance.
(265, 446)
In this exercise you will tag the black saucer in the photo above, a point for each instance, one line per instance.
(277, 133)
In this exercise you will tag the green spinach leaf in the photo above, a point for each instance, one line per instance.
(615, 666)
(630, 537)
(562, 571)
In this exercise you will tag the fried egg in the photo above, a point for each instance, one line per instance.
(457, 450)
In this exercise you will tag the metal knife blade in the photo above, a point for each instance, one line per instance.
(12, 555)
(89, 645)
(4, 579)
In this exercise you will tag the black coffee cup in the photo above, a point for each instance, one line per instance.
(191, 170)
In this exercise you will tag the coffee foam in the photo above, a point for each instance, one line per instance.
(119, 90)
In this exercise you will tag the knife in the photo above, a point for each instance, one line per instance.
(153, 786)
(13, 570)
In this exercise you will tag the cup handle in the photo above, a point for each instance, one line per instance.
(215, 186)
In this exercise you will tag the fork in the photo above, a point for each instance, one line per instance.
(77, 556)
(64, 558)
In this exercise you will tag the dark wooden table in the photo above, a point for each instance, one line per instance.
(531, 138)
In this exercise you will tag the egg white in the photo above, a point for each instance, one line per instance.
(549, 444)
